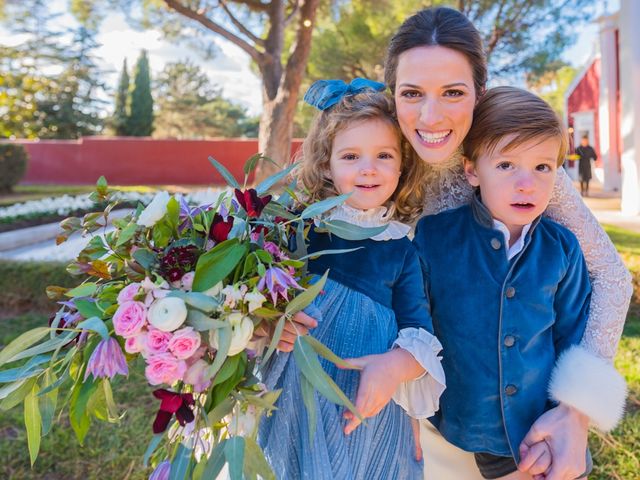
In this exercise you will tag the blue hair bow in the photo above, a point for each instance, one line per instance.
(324, 94)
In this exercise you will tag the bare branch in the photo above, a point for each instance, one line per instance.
(302, 46)
(206, 22)
(254, 5)
(245, 31)
(294, 9)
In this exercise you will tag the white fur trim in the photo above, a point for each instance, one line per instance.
(591, 385)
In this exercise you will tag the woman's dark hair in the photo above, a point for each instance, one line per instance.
(441, 26)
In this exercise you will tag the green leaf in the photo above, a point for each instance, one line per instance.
(95, 325)
(277, 210)
(326, 352)
(220, 411)
(181, 463)
(173, 212)
(88, 309)
(202, 322)
(251, 163)
(230, 179)
(216, 264)
(224, 342)
(33, 422)
(309, 365)
(266, 401)
(153, 444)
(126, 234)
(84, 290)
(255, 463)
(318, 208)
(227, 370)
(14, 393)
(216, 461)
(349, 231)
(305, 298)
(329, 252)
(308, 397)
(112, 410)
(44, 347)
(162, 234)
(264, 186)
(146, 258)
(234, 453)
(48, 402)
(78, 414)
(197, 300)
(102, 182)
(21, 343)
(19, 373)
(277, 333)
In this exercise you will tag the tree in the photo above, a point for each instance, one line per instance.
(140, 119)
(118, 121)
(190, 106)
(552, 85)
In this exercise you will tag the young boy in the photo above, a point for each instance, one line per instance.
(509, 289)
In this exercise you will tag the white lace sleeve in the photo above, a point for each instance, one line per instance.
(610, 279)
(446, 186)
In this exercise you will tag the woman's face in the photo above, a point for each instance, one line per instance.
(435, 97)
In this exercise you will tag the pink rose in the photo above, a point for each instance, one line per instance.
(129, 319)
(157, 341)
(136, 344)
(196, 376)
(164, 368)
(128, 293)
(184, 342)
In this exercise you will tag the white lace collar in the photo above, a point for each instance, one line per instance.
(374, 217)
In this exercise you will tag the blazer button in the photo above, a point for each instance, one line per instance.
(510, 389)
(511, 292)
(509, 340)
(495, 243)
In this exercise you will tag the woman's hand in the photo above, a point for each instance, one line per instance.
(565, 430)
(380, 376)
(300, 324)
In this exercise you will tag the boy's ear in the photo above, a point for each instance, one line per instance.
(470, 172)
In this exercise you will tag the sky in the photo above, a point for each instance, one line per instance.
(229, 69)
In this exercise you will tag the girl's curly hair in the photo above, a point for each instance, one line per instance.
(315, 155)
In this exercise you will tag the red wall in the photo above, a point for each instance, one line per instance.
(136, 161)
(586, 96)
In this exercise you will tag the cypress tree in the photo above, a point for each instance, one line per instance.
(140, 122)
(120, 117)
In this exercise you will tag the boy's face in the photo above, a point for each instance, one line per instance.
(366, 160)
(516, 185)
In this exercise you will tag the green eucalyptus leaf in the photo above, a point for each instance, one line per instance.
(197, 300)
(95, 325)
(181, 463)
(234, 453)
(216, 264)
(317, 254)
(146, 258)
(153, 444)
(127, 234)
(277, 210)
(88, 309)
(251, 163)
(277, 333)
(84, 290)
(304, 299)
(224, 342)
(318, 208)
(21, 343)
(255, 463)
(230, 179)
(308, 397)
(202, 322)
(48, 402)
(264, 186)
(349, 231)
(326, 353)
(33, 422)
(14, 393)
(216, 461)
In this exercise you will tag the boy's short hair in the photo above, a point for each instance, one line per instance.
(504, 111)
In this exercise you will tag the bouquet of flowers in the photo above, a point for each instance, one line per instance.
(181, 288)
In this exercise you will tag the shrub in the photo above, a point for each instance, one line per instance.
(13, 165)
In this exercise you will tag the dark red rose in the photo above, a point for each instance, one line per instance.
(220, 229)
(177, 261)
(251, 202)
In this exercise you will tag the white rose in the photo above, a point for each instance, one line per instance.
(155, 210)
(241, 333)
(167, 314)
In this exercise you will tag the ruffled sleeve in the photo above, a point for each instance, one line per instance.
(420, 397)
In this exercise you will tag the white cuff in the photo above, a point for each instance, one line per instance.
(420, 397)
(591, 385)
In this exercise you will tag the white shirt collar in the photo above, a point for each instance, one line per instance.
(374, 217)
(518, 245)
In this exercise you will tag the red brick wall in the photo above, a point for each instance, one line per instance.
(136, 161)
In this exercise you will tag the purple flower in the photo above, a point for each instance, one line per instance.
(162, 471)
(187, 213)
(277, 282)
(107, 360)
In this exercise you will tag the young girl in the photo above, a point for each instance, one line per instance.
(373, 310)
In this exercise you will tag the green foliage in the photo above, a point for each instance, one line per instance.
(13, 165)
(552, 85)
(119, 119)
(190, 106)
(23, 285)
(140, 120)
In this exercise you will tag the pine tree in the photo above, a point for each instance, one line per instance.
(140, 122)
(119, 119)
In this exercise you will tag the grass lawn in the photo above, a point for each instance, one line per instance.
(115, 451)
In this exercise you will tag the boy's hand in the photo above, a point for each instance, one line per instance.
(537, 459)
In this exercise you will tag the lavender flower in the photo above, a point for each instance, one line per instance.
(107, 360)
(277, 282)
(162, 471)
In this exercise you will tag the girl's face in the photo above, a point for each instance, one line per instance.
(366, 160)
(435, 97)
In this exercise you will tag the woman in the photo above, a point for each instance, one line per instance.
(436, 70)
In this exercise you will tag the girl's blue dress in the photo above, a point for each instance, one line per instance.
(370, 295)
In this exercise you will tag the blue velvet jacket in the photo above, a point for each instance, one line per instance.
(502, 323)
(387, 271)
